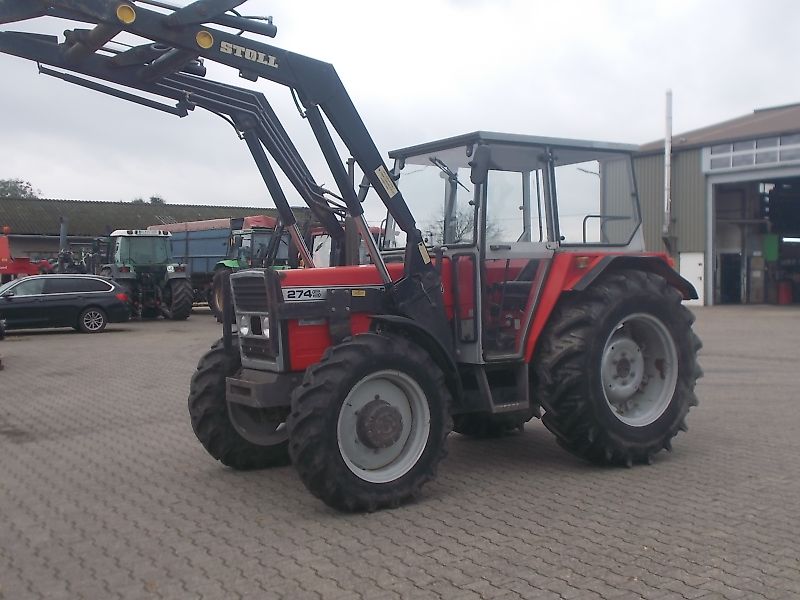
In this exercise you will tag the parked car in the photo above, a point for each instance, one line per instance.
(85, 302)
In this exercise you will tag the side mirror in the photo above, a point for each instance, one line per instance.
(480, 164)
(7, 294)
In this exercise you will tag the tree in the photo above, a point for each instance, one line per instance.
(137, 201)
(460, 229)
(157, 200)
(17, 188)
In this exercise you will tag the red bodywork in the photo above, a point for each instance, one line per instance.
(19, 266)
(307, 341)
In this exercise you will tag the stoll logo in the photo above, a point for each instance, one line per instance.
(249, 54)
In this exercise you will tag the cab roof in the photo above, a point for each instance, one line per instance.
(511, 151)
(492, 137)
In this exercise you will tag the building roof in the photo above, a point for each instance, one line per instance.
(763, 122)
(40, 216)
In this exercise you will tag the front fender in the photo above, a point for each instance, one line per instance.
(227, 264)
(432, 346)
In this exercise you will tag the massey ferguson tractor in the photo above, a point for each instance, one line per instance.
(510, 281)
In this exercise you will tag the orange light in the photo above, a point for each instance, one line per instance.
(582, 262)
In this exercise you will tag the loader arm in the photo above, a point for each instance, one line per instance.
(184, 31)
(170, 66)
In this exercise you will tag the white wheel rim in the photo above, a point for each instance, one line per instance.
(402, 399)
(93, 320)
(639, 369)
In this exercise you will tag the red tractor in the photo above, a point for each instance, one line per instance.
(509, 281)
(11, 267)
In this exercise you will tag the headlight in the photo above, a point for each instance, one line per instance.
(244, 325)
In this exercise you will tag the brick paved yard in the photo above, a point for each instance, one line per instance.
(105, 492)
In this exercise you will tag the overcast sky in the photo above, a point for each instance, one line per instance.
(418, 70)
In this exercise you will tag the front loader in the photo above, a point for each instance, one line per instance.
(509, 281)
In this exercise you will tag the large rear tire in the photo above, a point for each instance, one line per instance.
(369, 423)
(616, 369)
(181, 299)
(212, 422)
(221, 279)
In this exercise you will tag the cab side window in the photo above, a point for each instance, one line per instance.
(28, 287)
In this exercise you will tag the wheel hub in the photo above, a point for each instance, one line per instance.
(379, 424)
(383, 426)
(639, 369)
(623, 370)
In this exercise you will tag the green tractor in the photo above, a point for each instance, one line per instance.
(247, 248)
(141, 262)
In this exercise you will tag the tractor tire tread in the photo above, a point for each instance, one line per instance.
(561, 367)
(209, 416)
(310, 431)
(182, 299)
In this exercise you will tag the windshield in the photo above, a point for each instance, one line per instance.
(254, 245)
(439, 194)
(144, 250)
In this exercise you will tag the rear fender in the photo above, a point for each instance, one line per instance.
(653, 264)
(176, 275)
(429, 343)
(571, 272)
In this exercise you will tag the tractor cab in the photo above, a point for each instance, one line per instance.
(250, 247)
(137, 249)
(497, 208)
(490, 190)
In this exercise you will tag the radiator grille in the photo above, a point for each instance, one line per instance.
(250, 293)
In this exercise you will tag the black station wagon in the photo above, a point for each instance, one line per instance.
(85, 302)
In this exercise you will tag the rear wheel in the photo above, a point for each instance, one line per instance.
(92, 320)
(217, 286)
(617, 367)
(369, 423)
(228, 434)
(181, 299)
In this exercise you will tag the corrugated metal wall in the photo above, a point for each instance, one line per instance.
(688, 199)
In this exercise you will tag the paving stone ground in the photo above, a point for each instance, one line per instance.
(106, 493)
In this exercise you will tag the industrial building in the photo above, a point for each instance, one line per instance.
(735, 206)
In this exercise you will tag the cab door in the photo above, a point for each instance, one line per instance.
(21, 305)
(515, 258)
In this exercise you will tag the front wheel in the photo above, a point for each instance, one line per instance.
(215, 296)
(238, 437)
(368, 424)
(616, 369)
